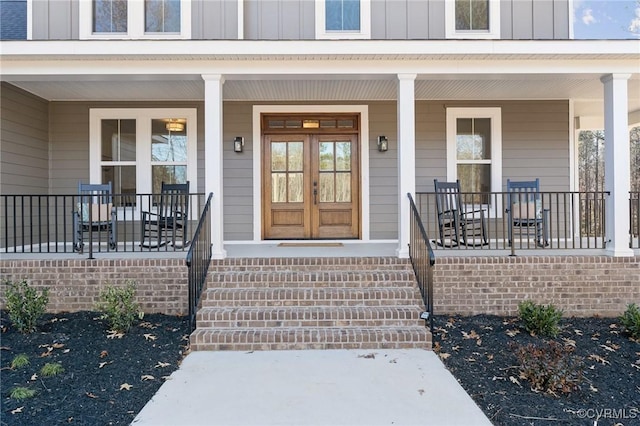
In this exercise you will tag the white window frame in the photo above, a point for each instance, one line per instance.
(365, 23)
(143, 163)
(494, 23)
(135, 23)
(495, 114)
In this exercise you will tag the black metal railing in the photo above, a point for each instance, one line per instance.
(198, 260)
(556, 220)
(422, 260)
(634, 219)
(64, 224)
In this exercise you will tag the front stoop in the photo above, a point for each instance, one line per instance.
(310, 303)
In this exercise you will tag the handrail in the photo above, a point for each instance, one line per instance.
(198, 260)
(422, 260)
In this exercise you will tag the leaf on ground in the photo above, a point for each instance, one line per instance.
(444, 355)
(102, 364)
(149, 337)
(592, 388)
(147, 324)
(598, 358)
(455, 348)
(146, 377)
(161, 364)
(368, 356)
(125, 386)
(45, 354)
(34, 377)
(514, 381)
(66, 351)
(470, 359)
(479, 342)
(421, 391)
(90, 395)
(490, 357)
(450, 322)
(58, 345)
(608, 348)
(104, 354)
(614, 325)
(595, 336)
(17, 410)
(513, 332)
(112, 334)
(578, 332)
(569, 342)
(636, 365)
(470, 335)
(437, 347)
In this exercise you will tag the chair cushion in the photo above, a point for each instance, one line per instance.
(99, 212)
(530, 210)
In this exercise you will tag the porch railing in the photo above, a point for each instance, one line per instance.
(572, 220)
(634, 216)
(422, 260)
(198, 260)
(44, 224)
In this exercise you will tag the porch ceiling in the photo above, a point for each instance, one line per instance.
(585, 89)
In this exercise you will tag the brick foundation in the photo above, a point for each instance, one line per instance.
(75, 284)
(580, 285)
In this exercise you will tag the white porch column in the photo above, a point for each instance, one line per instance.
(617, 178)
(406, 157)
(213, 159)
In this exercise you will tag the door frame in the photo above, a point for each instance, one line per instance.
(363, 110)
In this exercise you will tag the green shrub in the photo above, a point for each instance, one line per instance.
(541, 320)
(19, 361)
(118, 306)
(630, 319)
(25, 305)
(51, 369)
(549, 366)
(20, 393)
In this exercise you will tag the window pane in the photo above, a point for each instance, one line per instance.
(279, 187)
(295, 156)
(295, 187)
(475, 178)
(169, 140)
(167, 174)
(162, 16)
(343, 156)
(473, 138)
(118, 140)
(343, 187)
(278, 156)
(326, 156)
(110, 16)
(472, 15)
(463, 14)
(342, 15)
(123, 179)
(327, 189)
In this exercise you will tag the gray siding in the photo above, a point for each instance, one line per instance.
(55, 20)
(279, 20)
(535, 137)
(534, 19)
(24, 142)
(214, 19)
(407, 20)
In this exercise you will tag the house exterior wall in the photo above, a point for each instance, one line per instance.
(24, 142)
(295, 19)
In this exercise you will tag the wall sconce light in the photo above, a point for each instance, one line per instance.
(238, 144)
(383, 143)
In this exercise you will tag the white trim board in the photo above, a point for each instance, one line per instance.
(363, 110)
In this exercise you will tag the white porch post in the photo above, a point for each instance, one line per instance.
(406, 157)
(617, 178)
(213, 159)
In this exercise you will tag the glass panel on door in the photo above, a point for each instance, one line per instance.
(335, 172)
(287, 177)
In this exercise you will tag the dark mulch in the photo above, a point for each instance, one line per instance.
(97, 368)
(478, 351)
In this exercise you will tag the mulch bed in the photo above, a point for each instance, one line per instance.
(478, 350)
(106, 380)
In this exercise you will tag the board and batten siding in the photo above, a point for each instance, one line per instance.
(24, 142)
(279, 20)
(214, 19)
(535, 142)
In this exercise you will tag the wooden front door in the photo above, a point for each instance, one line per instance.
(311, 186)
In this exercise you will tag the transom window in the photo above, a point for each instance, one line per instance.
(135, 19)
(343, 19)
(474, 151)
(472, 18)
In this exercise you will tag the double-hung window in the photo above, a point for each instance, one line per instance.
(474, 153)
(138, 149)
(343, 19)
(472, 19)
(135, 19)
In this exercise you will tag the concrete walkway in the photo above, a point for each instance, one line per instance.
(312, 387)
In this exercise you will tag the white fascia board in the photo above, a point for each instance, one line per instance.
(332, 48)
(318, 69)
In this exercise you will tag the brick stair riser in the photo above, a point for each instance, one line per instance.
(295, 278)
(314, 264)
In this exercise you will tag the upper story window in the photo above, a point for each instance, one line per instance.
(343, 19)
(473, 19)
(135, 19)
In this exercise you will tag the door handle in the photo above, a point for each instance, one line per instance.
(315, 192)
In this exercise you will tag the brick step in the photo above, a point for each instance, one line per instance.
(311, 316)
(310, 296)
(312, 264)
(283, 279)
(281, 338)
